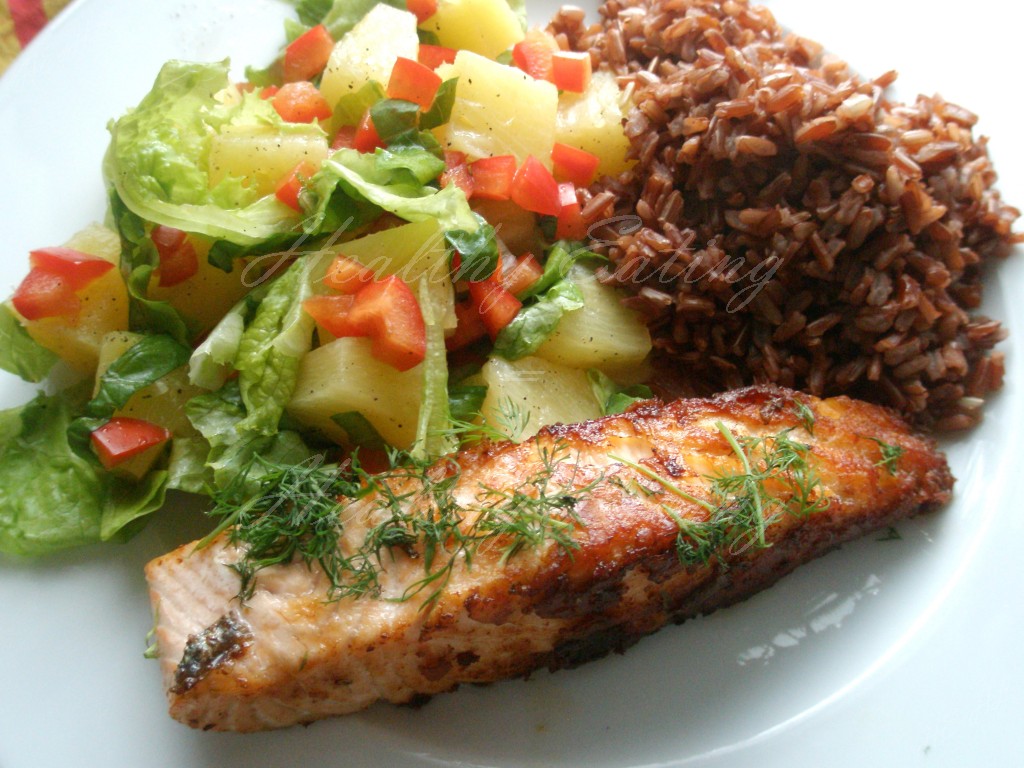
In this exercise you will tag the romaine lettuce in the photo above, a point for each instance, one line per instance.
(272, 346)
(20, 353)
(392, 180)
(156, 160)
(50, 497)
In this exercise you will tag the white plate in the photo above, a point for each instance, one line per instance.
(886, 653)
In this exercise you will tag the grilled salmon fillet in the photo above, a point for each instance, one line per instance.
(664, 512)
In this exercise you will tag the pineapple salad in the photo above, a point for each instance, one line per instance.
(373, 247)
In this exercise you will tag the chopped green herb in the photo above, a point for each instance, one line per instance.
(299, 512)
(775, 479)
(891, 455)
(806, 416)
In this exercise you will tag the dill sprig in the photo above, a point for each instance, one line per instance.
(293, 513)
(299, 512)
(775, 479)
(891, 455)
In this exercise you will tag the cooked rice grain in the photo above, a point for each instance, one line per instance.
(794, 225)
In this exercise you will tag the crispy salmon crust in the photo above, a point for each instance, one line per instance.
(289, 655)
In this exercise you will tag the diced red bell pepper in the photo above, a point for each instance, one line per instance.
(533, 53)
(366, 138)
(457, 172)
(535, 189)
(469, 327)
(520, 276)
(121, 438)
(492, 177)
(571, 71)
(268, 91)
(494, 303)
(78, 269)
(388, 312)
(570, 224)
(307, 55)
(331, 312)
(434, 56)
(347, 275)
(301, 102)
(289, 187)
(421, 9)
(413, 82)
(345, 138)
(178, 259)
(385, 311)
(45, 294)
(573, 164)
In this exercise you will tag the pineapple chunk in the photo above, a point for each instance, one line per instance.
(344, 376)
(602, 334)
(410, 251)
(498, 110)
(368, 52)
(592, 120)
(205, 297)
(262, 155)
(527, 394)
(487, 27)
(163, 401)
(104, 307)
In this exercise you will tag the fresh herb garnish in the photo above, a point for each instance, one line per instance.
(300, 512)
(294, 513)
(775, 480)
(891, 455)
(805, 415)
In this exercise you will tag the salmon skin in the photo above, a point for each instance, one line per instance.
(662, 513)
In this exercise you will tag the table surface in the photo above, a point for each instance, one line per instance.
(20, 21)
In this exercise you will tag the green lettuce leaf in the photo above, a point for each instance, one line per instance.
(139, 259)
(20, 353)
(535, 322)
(213, 360)
(149, 359)
(477, 249)
(146, 361)
(352, 106)
(232, 450)
(466, 401)
(387, 180)
(272, 346)
(345, 14)
(129, 504)
(360, 430)
(441, 110)
(186, 468)
(53, 499)
(613, 397)
(156, 160)
(433, 432)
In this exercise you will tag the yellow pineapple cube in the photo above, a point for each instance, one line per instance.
(487, 27)
(602, 334)
(368, 52)
(104, 306)
(262, 155)
(344, 376)
(205, 297)
(498, 110)
(527, 394)
(593, 121)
